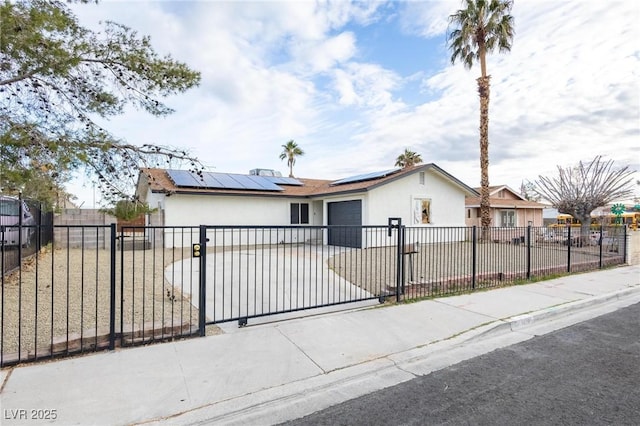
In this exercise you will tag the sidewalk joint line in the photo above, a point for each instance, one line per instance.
(6, 379)
(301, 350)
(184, 379)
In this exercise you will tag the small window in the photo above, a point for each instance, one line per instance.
(508, 218)
(422, 212)
(421, 178)
(299, 213)
(468, 213)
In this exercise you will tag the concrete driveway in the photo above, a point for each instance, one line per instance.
(259, 282)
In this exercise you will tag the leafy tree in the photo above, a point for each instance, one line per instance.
(581, 189)
(481, 27)
(408, 159)
(290, 151)
(57, 78)
(36, 183)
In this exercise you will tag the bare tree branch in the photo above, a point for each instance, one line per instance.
(580, 190)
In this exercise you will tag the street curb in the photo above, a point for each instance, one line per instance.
(297, 399)
(293, 400)
(521, 321)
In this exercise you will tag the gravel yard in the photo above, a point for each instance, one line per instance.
(72, 298)
(438, 268)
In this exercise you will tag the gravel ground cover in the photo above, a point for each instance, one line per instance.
(447, 268)
(64, 295)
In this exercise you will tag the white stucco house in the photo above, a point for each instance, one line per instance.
(423, 196)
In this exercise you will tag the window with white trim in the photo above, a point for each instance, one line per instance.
(421, 211)
(299, 213)
(508, 218)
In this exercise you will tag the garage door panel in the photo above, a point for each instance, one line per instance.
(349, 214)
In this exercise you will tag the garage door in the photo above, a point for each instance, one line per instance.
(345, 213)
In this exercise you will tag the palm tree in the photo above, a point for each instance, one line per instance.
(408, 159)
(290, 151)
(481, 27)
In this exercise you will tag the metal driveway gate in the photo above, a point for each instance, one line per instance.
(255, 271)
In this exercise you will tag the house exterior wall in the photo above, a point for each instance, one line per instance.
(237, 211)
(196, 210)
(396, 199)
(525, 216)
(522, 218)
(154, 200)
(472, 216)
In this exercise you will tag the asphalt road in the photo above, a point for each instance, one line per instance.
(586, 374)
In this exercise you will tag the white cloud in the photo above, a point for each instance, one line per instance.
(317, 57)
(367, 85)
(428, 18)
(274, 71)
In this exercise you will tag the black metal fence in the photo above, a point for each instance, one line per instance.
(24, 229)
(443, 261)
(145, 284)
(93, 288)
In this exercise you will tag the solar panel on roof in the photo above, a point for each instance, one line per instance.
(226, 181)
(210, 180)
(264, 183)
(184, 178)
(246, 183)
(284, 180)
(364, 177)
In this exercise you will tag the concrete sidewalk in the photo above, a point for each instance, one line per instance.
(268, 373)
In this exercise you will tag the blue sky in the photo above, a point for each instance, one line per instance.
(354, 84)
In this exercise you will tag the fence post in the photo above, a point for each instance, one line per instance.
(112, 284)
(474, 254)
(600, 248)
(20, 226)
(396, 222)
(528, 252)
(624, 256)
(569, 248)
(202, 292)
(402, 237)
(39, 229)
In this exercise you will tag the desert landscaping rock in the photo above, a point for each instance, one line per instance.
(71, 300)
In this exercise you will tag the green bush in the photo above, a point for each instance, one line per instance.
(128, 209)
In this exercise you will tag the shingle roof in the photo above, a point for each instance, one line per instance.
(499, 202)
(159, 181)
(504, 203)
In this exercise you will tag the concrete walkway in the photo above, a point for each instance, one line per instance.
(275, 280)
(268, 373)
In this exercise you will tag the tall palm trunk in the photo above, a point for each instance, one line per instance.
(485, 213)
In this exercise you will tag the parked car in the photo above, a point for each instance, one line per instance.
(10, 210)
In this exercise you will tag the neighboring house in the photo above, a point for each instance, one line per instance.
(422, 195)
(508, 209)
